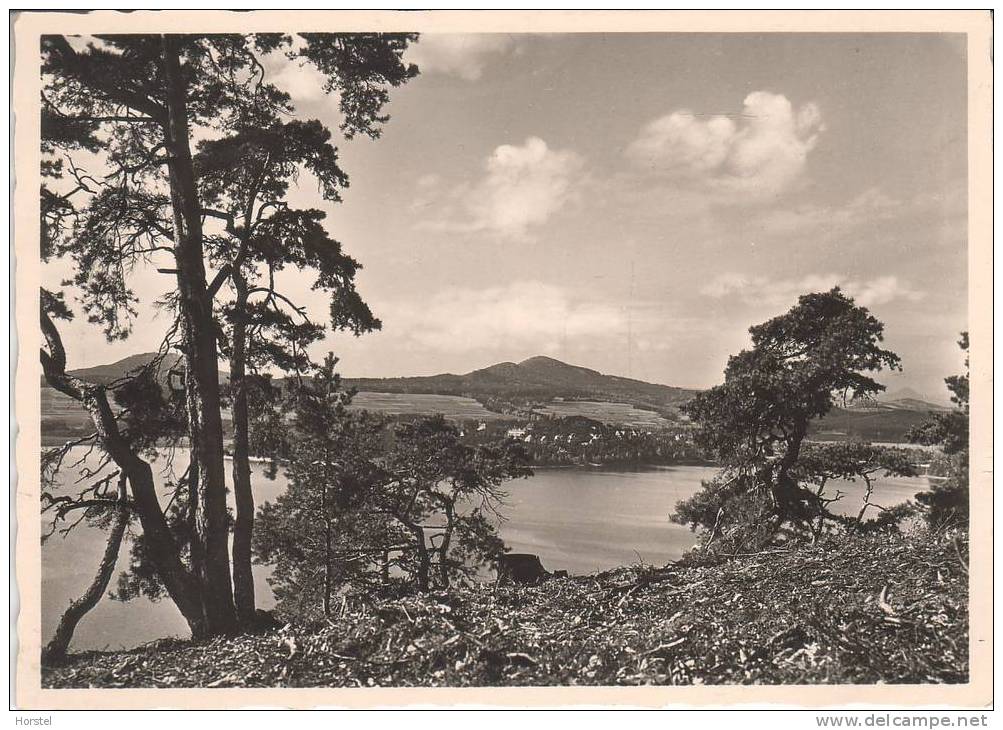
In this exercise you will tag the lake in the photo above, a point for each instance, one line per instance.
(577, 519)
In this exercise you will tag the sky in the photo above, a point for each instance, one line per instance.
(633, 203)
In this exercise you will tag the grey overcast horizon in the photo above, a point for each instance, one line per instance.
(632, 203)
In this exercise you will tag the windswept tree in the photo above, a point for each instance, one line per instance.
(800, 365)
(444, 495)
(946, 502)
(134, 104)
(129, 417)
(122, 441)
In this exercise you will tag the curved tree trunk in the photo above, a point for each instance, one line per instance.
(181, 585)
(164, 553)
(210, 544)
(56, 649)
(786, 492)
(424, 559)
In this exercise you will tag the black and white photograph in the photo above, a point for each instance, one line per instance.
(360, 355)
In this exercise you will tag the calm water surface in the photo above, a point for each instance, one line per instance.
(576, 519)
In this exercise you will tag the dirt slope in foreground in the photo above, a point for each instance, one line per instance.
(883, 609)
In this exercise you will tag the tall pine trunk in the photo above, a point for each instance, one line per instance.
(423, 569)
(328, 568)
(210, 548)
(243, 578)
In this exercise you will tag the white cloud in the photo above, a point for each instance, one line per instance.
(724, 284)
(465, 56)
(761, 155)
(298, 78)
(302, 81)
(522, 187)
(528, 316)
(758, 290)
(881, 290)
(870, 206)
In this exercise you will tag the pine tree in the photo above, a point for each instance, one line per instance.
(320, 533)
(371, 502)
(757, 422)
(135, 101)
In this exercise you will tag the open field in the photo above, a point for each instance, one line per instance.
(884, 424)
(613, 413)
(451, 406)
(64, 419)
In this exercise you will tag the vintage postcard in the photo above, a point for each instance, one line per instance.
(503, 358)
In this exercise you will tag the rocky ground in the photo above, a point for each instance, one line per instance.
(863, 610)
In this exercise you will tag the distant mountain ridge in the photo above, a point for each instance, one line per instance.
(911, 399)
(528, 384)
(900, 394)
(905, 399)
(104, 374)
(539, 377)
(536, 377)
(120, 369)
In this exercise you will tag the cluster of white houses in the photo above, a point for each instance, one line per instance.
(526, 434)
